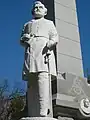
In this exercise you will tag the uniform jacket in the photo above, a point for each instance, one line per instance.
(43, 31)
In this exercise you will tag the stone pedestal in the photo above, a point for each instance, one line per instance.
(46, 118)
(64, 118)
(68, 94)
(38, 118)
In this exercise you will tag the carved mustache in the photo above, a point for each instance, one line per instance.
(37, 10)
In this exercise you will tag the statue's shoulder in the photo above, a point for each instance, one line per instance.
(29, 22)
(49, 22)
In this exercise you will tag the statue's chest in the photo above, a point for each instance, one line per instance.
(38, 26)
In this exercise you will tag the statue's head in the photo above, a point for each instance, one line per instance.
(39, 10)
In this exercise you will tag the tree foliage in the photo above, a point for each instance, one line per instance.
(11, 103)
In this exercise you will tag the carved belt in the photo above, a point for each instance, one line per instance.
(33, 36)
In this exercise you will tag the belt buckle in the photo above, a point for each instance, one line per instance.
(32, 35)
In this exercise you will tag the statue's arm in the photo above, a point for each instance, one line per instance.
(53, 36)
(24, 36)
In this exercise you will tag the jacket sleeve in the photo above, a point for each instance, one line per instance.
(23, 35)
(53, 35)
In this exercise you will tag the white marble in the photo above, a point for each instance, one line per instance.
(66, 14)
(70, 48)
(67, 3)
(67, 30)
(38, 118)
(69, 55)
(38, 37)
(69, 64)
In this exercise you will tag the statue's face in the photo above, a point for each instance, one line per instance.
(39, 10)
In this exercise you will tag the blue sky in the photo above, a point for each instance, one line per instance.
(13, 14)
(83, 10)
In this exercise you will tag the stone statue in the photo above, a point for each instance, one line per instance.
(39, 36)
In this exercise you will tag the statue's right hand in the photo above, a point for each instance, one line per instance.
(26, 37)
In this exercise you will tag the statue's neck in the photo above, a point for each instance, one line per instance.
(38, 18)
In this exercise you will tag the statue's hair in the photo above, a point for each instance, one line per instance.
(38, 2)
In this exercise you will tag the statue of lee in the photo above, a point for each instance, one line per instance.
(38, 37)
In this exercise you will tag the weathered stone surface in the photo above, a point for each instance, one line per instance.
(38, 118)
(64, 118)
(39, 37)
(69, 57)
(68, 93)
(73, 87)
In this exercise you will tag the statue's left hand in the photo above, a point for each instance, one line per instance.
(49, 44)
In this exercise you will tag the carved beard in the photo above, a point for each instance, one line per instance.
(37, 13)
(38, 16)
